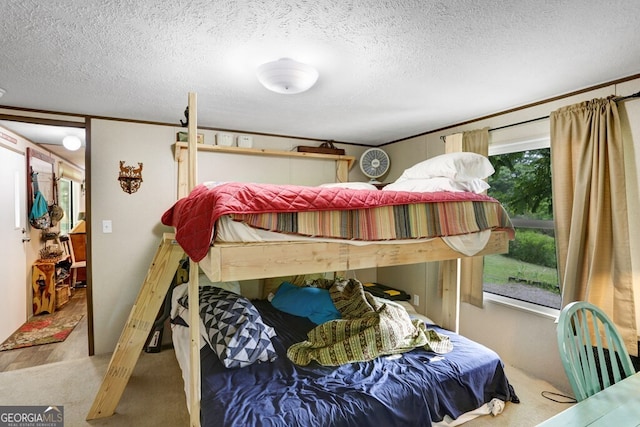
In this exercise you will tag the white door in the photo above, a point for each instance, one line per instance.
(13, 286)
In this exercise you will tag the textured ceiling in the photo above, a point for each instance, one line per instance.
(388, 69)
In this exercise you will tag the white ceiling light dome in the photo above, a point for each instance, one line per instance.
(287, 76)
(71, 142)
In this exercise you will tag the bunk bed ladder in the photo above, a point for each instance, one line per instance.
(137, 328)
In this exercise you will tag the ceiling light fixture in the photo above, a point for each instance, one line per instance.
(71, 142)
(287, 76)
(2, 92)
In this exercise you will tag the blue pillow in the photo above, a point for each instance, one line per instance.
(312, 303)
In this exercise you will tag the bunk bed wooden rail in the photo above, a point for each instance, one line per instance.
(244, 261)
(237, 261)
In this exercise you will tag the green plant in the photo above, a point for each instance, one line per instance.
(533, 247)
(499, 268)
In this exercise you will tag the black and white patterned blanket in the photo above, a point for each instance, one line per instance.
(234, 328)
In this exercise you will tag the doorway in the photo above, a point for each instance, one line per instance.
(12, 223)
(45, 136)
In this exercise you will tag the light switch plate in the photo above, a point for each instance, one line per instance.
(107, 226)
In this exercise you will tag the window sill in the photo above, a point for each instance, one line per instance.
(550, 313)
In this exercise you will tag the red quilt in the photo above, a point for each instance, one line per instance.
(194, 216)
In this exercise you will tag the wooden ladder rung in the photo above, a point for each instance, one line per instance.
(138, 326)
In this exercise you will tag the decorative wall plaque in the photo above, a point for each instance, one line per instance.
(130, 177)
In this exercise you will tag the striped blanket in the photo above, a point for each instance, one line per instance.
(330, 212)
(412, 221)
(368, 328)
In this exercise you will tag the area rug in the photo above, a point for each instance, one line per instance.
(42, 329)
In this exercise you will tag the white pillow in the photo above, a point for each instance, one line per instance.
(477, 185)
(438, 183)
(351, 185)
(460, 166)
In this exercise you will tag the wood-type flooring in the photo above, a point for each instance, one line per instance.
(74, 347)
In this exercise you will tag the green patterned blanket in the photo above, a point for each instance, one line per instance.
(369, 328)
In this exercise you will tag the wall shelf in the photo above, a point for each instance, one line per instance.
(179, 146)
(343, 163)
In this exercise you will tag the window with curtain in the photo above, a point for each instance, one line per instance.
(522, 182)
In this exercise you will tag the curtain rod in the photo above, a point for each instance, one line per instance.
(443, 137)
(519, 123)
(616, 99)
(624, 98)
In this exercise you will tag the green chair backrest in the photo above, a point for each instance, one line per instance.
(591, 349)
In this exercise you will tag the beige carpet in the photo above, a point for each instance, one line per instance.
(533, 407)
(155, 396)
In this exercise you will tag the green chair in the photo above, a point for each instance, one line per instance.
(592, 362)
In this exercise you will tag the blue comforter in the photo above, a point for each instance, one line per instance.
(411, 389)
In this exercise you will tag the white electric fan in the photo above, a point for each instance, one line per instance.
(374, 163)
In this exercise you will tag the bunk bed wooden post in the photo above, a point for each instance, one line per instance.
(451, 268)
(137, 329)
(194, 297)
(467, 270)
(450, 294)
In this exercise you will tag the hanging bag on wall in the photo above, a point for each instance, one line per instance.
(39, 215)
(55, 211)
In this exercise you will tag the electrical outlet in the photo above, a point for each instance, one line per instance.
(416, 300)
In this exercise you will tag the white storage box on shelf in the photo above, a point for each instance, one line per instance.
(245, 141)
(224, 139)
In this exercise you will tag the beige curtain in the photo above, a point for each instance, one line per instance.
(590, 210)
(471, 283)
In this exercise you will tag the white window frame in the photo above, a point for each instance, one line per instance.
(512, 147)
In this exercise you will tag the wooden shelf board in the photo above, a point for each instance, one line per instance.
(267, 152)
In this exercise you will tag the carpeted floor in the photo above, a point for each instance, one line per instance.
(155, 395)
(533, 407)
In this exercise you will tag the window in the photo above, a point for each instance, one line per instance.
(522, 182)
(68, 199)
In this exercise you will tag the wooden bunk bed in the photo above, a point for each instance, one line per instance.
(243, 261)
